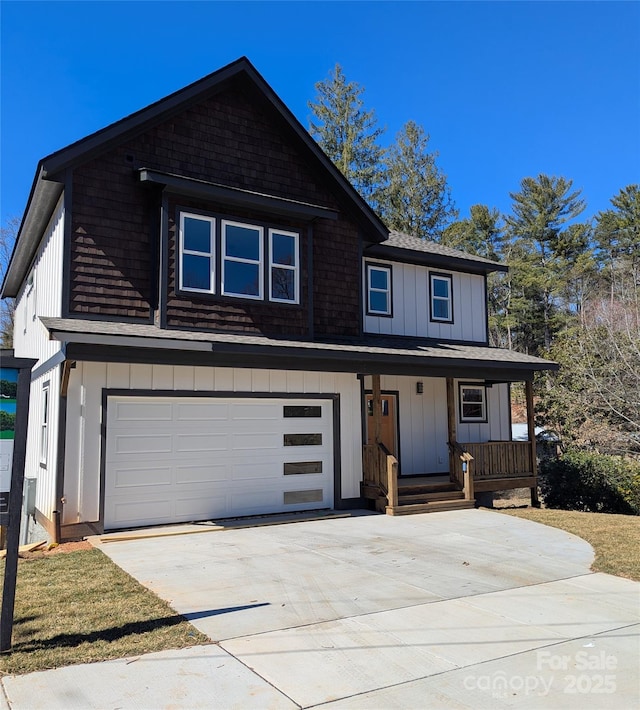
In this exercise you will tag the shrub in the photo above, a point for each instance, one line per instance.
(580, 480)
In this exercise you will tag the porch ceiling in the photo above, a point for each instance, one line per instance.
(133, 342)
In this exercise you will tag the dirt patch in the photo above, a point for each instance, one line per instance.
(54, 549)
(515, 498)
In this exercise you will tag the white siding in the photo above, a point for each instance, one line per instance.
(45, 299)
(422, 418)
(84, 412)
(410, 298)
(46, 474)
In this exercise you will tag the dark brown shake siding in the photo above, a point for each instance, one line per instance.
(234, 140)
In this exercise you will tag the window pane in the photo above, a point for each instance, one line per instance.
(378, 302)
(441, 288)
(472, 395)
(196, 272)
(303, 439)
(291, 469)
(472, 411)
(242, 279)
(283, 249)
(441, 309)
(197, 235)
(379, 278)
(283, 284)
(242, 242)
(293, 411)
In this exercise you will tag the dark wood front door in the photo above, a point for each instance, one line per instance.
(389, 427)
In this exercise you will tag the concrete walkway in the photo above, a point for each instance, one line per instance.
(465, 609)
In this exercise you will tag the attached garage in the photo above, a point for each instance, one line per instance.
(177, 459)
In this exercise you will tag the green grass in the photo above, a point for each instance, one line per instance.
(614, 538)
(80, 607)
(7, 434)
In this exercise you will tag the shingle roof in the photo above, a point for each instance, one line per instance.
(406, 246)
(368, 347)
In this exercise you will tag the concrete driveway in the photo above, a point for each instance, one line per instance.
(464, 609)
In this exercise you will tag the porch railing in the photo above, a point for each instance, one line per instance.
(460, 466)
(500, 459)
(380, 469)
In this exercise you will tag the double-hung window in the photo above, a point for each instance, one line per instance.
(473, 403)
(242, 250)
(284, 272)
(378, 290)
(441, 307)
(44, 426)
(197, 253)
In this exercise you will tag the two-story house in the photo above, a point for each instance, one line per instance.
(225, 328)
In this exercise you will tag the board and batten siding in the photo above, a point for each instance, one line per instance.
(84, 415)
(410, 299)
(422, 421)
(42, 298)
(30, 338)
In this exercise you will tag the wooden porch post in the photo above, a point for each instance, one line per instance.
(451, 423)
(531, 432)
(376, 403)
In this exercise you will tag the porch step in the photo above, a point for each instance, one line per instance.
(426, 488)
(434, 506)
(406, 499)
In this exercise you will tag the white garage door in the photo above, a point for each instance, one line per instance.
(198, 458)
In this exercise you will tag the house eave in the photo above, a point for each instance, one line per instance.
(440, 261)
(42, 200)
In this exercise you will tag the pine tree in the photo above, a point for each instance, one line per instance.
(415, 197)
(347, 132)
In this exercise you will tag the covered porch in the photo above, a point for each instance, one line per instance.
(473, 466)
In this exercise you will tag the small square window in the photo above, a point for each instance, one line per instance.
(378, 290)
(441, 308)
(473, 403)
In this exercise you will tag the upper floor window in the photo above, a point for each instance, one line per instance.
(197, 253)
(441, 307)
(378, 290)
(284, 274)
(473, 403)
(242, 250)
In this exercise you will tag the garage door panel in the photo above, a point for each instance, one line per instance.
(202, 411)
(256, 411)
(140, 412)
(137, 477)
(187, 443)
(213, 473)
(136, 444)
(255, 441)
(214, 458)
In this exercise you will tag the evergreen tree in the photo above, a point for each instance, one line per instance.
(541, 250)
(347, 132)
(415, 197)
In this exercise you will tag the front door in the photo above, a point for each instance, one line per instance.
(389, 427)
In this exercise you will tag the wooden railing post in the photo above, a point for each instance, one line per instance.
(392, 481)
(531, 428)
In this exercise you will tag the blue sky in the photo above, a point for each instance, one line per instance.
(505, 89)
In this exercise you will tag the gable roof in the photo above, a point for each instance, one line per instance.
(47, 185)
(407, 248)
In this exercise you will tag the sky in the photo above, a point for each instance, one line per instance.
(506, 90)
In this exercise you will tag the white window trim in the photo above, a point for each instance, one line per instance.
(473, 386)
(433, 298)
(371, 289)
(44, 426)
(260, 261)
(210, 254)
(295, 267)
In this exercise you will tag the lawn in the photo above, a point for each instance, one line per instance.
(614, 538)
(80, 607)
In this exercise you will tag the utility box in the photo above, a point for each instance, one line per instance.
(30, 496)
